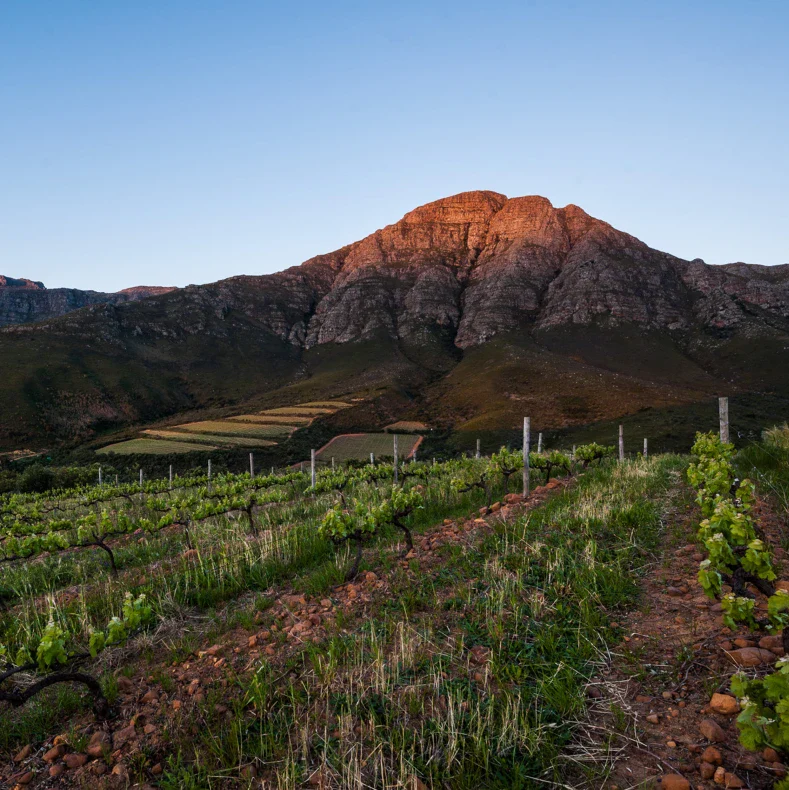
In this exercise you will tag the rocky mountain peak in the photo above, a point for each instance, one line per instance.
(12, 282)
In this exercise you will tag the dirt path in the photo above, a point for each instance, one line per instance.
(661, 712)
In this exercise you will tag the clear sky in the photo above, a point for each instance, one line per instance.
(178, 141)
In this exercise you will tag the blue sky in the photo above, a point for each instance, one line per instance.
(172, 142)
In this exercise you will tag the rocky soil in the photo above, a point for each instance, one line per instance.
(661, 711)
(160, 701)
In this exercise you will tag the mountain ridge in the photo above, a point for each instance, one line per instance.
(404, 309)
(24, 301)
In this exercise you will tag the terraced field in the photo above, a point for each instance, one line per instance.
(358, 446)
(217, 439)
(153, 447)
(262, 429)
(272, 419)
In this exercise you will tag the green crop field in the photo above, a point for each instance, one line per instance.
(291, 419)
(211, 439)
(358, 446)
(154, 447)
(227, 428)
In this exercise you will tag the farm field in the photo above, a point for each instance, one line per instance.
(153, 447)
(269, 607)
(224, 428)
(358, 446)
(218, 440)
(264, 429)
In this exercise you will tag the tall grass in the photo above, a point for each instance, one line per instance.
(401, 695)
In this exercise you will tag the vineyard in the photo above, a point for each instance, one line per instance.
(419, 626)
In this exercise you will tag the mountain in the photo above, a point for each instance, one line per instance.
(23, 301)
(468, 313)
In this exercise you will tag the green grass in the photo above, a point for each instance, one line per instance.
(359, 446)
(396, 696)
(767, 464)
(153, 447)
(228, 428)
(211, 439)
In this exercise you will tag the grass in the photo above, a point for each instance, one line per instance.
(153, 447)
(212, 439)
(227, 428)
(359, 446)
(767, 464)
(398, 696)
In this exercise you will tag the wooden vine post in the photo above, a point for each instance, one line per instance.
(646, 453)
(99, 475)
(526, 443)
(312, 467)
(621, 442)
(171, 475)
(478, 449)
(539, 442)
(251, 464)
(140, 478)
(723, 413)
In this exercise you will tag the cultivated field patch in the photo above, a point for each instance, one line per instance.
(224, 428)
(211, 438)
(154, 447)
(358, 446)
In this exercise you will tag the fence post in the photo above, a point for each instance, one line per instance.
(140, 478)
(539, 442)
(209, 468)
(646, 453)
(394, 450)
(526, 443)
(312, 467)
(116, 481)
(171, 475)
(251, 465)
(621, 442)
(99, 475)
(723, 412)
(478, 449)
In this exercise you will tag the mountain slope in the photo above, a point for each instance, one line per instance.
(24, 301)
(470, 309)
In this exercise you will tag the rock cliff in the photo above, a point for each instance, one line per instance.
(24, 301)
